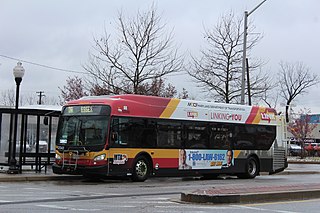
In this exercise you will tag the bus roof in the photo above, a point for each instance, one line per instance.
(172, 108)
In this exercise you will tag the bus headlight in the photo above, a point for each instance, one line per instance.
(58, 157)
(100, 157)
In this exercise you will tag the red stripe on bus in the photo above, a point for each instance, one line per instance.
(252, 115)
(166, 162)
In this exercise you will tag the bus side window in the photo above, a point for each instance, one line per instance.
(169, 134)
(221, 136)
(197, 135)
(145, 133)
(118, 132)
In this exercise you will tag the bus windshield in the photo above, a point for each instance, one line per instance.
(83, 126)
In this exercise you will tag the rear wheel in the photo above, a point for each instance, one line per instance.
(251, 170)
(141, 169)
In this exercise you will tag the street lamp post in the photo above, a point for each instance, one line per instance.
(246, 15)
(18, 72)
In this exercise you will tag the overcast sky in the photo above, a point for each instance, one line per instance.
(58, 33)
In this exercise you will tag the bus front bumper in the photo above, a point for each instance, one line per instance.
(101, 170)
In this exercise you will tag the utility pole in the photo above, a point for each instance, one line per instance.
(246, 15)
(41, 94)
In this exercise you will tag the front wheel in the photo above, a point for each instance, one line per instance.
(141, 169)
(251, 170)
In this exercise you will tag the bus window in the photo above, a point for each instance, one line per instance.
(254, 137)
(120, 132)
(221, 136)
(169, 134)
(147, 134)
(133, 132)
(244, 137)
(197, 135)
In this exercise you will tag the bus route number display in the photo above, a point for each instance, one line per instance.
(86, 109)
(78, 110)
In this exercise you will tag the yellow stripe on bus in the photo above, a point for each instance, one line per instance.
(154, 153)
(236, 153)
(257, 118)
(171, 107)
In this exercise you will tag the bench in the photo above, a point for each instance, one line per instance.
(35, 159)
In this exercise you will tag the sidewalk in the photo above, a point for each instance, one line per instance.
(242, 194)
(234, 194)
(31, 175)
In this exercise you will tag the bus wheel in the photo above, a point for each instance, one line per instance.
(141, 169)
(252, 169)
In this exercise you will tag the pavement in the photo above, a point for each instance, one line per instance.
(241, 194)
(216, 195)
(31, 175)
(234, 194)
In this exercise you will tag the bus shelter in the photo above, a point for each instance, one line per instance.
(35, 137)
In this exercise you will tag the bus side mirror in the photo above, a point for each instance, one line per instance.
(46, 120)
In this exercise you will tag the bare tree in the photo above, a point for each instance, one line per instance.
(51, 100)
(30, 99)
(184, 94)
(219, 68)
(73, 90)
(271, 97)
(294, 80)
(142, 52)
(301, 128)
(158, 87)
(8, 97)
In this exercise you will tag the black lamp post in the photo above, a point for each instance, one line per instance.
(18, 72)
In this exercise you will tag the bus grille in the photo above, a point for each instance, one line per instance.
(279, 159)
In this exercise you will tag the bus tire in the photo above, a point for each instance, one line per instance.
(251, 169)
(141, 169)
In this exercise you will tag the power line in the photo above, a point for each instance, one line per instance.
(41, 65)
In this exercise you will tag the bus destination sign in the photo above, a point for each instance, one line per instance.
(87, 110)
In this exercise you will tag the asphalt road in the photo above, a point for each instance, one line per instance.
(154, 195)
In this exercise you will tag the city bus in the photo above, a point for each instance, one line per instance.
(141, 136)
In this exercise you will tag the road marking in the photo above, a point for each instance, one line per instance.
(33, 188)
(263, 209)
(156, 198)
(199, 207)
(281, 202)
(149, 202)
(67, 208)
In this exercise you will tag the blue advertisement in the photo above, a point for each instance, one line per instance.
(205, 159)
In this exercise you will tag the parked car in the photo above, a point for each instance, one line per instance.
(294, 149)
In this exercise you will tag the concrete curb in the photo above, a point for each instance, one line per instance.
(303, 162)
(250, 197)
(308, 172)
(19, 178)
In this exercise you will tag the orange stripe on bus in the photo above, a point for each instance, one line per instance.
(154, 153)
(236, 153)
(171, 107)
